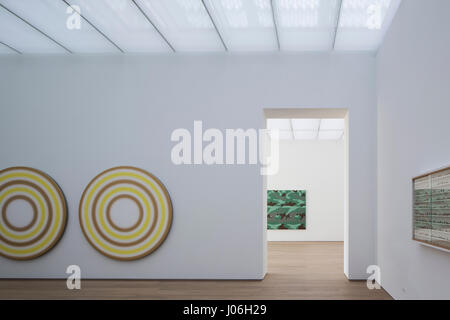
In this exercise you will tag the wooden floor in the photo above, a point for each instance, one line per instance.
(296, 270)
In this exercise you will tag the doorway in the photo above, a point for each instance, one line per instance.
(306, 200)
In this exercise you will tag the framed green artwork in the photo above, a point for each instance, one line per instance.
(286, 209)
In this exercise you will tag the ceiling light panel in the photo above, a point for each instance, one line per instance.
(283, 126)
(331, 134)
(62, 23)
(332, 124)
(24, 38)
(245, 25)
(306, 25)
(363, 23)
(305, 129)
(280, 124)
(305, 124)
(282, 135)
(123, 23)
(185, 23)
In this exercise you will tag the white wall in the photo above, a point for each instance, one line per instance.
(413, 137)
(74, 116)
(318, 167)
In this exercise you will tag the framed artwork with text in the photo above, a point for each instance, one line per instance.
(431, 208)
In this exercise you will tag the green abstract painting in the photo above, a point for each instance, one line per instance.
(286, 209)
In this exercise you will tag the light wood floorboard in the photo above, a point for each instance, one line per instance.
(296, 270)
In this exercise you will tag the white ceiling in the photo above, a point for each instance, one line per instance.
(307, 129)
(122, 26)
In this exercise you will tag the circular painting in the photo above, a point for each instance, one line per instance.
(125, 213)
(33, 213)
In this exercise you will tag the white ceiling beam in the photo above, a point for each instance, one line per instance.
(154, 26)
(215, 26)
(93, 26)
(11, 48)
(274, 18)
(338, 19)
(37, 29)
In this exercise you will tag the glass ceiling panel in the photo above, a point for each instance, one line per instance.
(363, 23)
(185, 23)
(245, 25)
(332, 124)
(53, 17)
(280, 124)
(24, 38)
(305, 124)
(283, 126)
(306, 25)
(308, 129)
(123, 23)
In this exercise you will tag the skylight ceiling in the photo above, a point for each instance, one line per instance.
(155, 26)
(306, 25)
(307, 129)
(363, 23)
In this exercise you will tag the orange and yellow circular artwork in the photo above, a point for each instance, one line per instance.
(149, 229)
(48, 215)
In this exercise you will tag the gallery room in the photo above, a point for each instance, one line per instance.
(224, 149)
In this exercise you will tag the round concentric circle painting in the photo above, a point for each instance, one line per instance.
(150, 225)
(46, 221)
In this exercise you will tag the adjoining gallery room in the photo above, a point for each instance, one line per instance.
(306, 196)
(224, 150)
